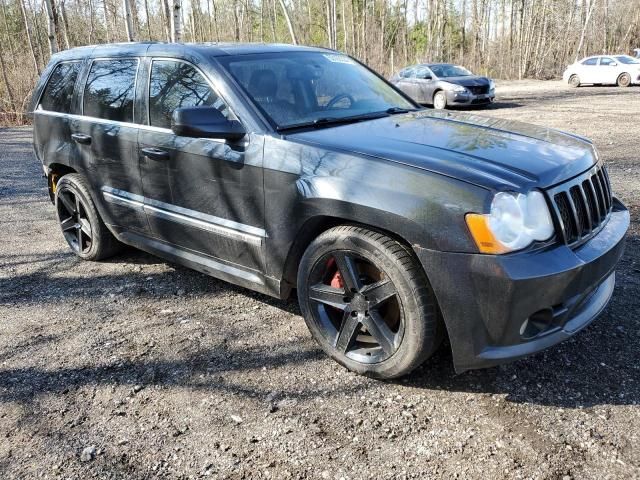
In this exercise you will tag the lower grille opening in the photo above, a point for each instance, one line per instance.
(537, 323)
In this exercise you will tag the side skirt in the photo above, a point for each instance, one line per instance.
(211, 266)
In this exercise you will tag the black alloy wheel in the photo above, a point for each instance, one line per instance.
(357, 306)
(74, 223)
(81, 225)
(367, 302)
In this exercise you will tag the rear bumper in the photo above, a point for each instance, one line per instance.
(469, 99)
(500, 308)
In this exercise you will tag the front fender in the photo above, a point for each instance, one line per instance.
(304, 182)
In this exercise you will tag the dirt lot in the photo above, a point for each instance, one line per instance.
(136, 368)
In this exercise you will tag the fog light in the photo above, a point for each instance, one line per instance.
(536, 323)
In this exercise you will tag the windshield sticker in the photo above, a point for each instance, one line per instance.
(338, 58)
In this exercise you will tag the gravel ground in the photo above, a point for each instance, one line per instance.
(137, 368)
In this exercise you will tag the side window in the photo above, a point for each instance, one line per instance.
(591, 61)
(58, 93)
(176, 84)
(110, 90)
(606, 61)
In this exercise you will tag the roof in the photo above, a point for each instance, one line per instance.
(181, 49)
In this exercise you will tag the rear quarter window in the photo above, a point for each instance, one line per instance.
(110, 90)
(58, 93)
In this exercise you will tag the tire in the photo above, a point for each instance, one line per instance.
(380, 320)
(440, 100)
(574, 81)
(81, 225)
(624, 80)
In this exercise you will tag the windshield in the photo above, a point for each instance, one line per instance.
(296, 88)
(626, 59)
(444, 71)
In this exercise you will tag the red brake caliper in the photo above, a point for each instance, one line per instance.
(336, 280)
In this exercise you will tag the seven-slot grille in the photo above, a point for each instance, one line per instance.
(582, 205)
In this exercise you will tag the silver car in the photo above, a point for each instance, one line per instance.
(443, 85)
(621, 70)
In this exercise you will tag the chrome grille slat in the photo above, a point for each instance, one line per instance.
(582, 205)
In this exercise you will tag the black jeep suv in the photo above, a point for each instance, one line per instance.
(277, 167)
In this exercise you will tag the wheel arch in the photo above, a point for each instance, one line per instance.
(310, 230)
(54, 172)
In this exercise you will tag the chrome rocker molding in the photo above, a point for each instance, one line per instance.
(185, 216)
(198, 262)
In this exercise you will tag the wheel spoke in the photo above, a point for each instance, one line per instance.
(380, 331)
(68, 224)
(348, 331)
(79, 232)
(378, 292)
(85, 226)
(348, 271)
(327, 295)
(67, 202)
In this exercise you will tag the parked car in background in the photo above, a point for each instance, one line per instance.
(621, 70)
(443, 85)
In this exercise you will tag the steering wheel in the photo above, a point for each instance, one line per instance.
(337, 98)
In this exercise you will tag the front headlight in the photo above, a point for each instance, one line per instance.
(514, 222)
(492, 85)
(455, 88)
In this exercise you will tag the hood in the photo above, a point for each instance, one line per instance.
(467, 80)
(489, 152)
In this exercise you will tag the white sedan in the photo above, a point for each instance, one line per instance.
(621, 70)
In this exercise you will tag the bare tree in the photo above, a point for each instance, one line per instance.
(176, 21)
(289, 24)
(129, 20)
(27, 27)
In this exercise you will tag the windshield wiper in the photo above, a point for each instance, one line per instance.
(329, 121)
(396, 110)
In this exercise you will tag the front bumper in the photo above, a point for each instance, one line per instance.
(499, 308)
(465, 99)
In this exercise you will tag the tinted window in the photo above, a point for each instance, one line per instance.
(109, 92)
(59, 90)
(591, 61)
(177, 84)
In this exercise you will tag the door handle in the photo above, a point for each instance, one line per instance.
(155, 153)
(81, 138)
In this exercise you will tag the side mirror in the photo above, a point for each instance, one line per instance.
(427, 77)
(205, 122)
(614, 64)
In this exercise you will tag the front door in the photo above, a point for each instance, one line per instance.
(202, 195)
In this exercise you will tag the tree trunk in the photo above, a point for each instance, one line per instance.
(166, 19)
(27, 26)
(176, 22)
(12, 102)
(65, 25)
(128, 20)
(106, 20)
(289, 24)
(146, 12)
(51, 27)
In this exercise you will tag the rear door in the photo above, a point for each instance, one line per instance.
(52, 116)
(106, 136)
(204, 195)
